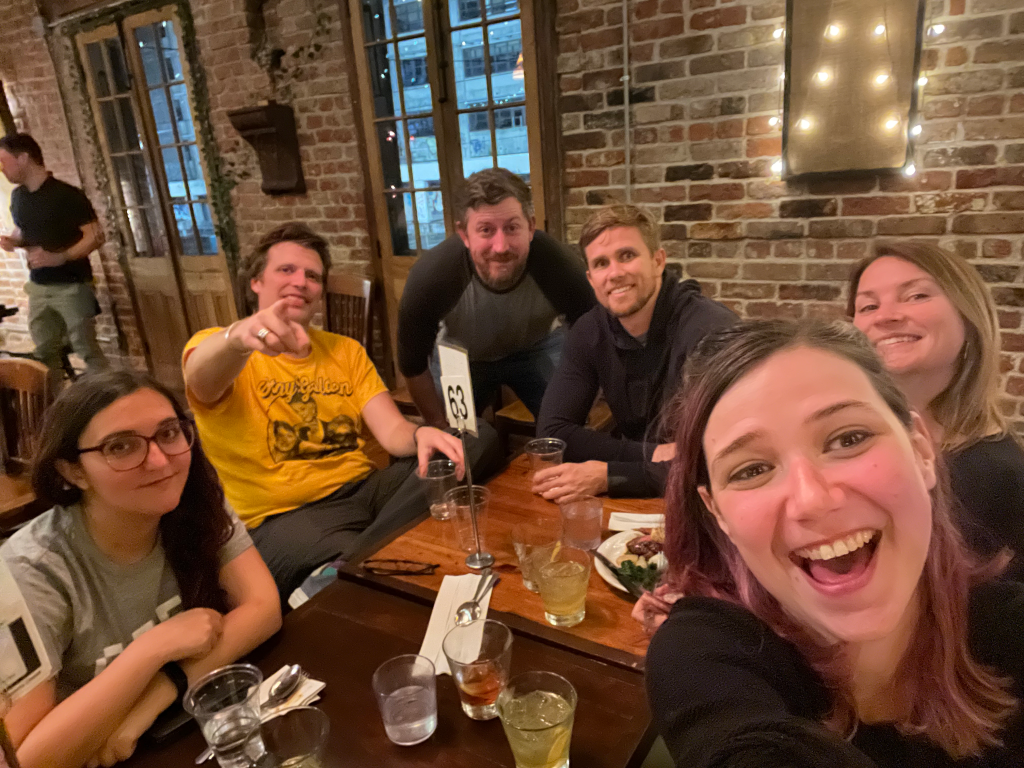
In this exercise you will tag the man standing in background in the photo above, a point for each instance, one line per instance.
(56, 224)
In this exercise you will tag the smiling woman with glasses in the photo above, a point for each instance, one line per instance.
(139, 579)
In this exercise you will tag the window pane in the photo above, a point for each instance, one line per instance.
(207, 235)
(161, 116)
(111, 128)
(501, 8)
(97, 69)
(506, 44)
(175, 177)
(385, 96)
(119, 73)
(135, 220)
(150, 55)
(464, 11)
(409, 16)
(475, 133)
(186, 230)
(423, 145)
(430, 213)
(397, 221)
(470, 86)
(513, 143)
(123, 174)
(169, 50)
(182, 113)
(391, 140)
(194, 172)
(156, 229)
(376, 20)
(143, 180)
(415, 81)
(131, 131)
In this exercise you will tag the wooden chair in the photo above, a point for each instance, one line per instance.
(25, 394)
(516, 419)
(350, 307)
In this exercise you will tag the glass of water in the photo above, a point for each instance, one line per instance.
(406, 691)
(225, 703)
(439, 479)
(296, 737)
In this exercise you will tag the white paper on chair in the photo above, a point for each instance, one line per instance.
(455, 590)
(23, 659)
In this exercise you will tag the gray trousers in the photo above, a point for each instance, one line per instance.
(59, 311)
(355, 516)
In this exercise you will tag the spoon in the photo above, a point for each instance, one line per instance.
(282, 688)
(471, 611)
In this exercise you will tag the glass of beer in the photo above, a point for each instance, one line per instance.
(479, 655)
(563, 584)
(537, 711)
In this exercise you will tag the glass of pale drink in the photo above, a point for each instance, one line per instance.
(479, 656)
(296, 737)
(406, 691)
(563, 584)
(537, 711)
(534, 542)
(225, 703)
(439, 479)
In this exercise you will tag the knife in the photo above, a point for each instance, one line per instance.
(630, 586)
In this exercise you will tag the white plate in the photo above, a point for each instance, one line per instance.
(613, 548)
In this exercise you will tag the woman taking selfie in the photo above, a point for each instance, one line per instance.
(139, 579)
(832, 615)
(931, 319)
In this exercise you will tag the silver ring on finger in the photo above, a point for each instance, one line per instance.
(263, 333)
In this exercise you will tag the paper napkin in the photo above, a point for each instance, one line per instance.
(455, 590)
(628, 521)
(307, 692)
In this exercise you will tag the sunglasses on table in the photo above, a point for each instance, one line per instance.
(399, 567)
(128, 450)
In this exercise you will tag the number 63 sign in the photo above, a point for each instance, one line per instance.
(457, 388)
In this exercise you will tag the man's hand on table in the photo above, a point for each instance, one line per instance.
(664, 452)
(430, 439)
(566, 482)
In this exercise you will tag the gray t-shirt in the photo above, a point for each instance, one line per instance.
(87, 607)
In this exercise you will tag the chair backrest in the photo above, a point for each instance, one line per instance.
(25, 394)
(350, 307)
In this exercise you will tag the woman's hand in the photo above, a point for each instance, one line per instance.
(188, 635)
(652, 608)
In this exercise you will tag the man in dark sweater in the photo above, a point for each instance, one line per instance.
(632, 347)
(56, 224)
(499, 289)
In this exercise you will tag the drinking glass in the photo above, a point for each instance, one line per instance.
(225, 703)
(406, 691)
(458, 502)
(581, 522)
(537, 711)
(479, 655)
(534, 543)
(563, 584)
(439, 479)
(296, 737)
(544, 452)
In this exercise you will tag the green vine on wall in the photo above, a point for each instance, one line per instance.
(286, 67)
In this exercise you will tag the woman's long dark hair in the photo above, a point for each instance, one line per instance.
(947, 696)
(191, 534)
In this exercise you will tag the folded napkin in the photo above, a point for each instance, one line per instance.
(307, 692)
(455, 590)
(628, 521)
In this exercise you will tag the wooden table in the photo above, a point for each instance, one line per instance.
(608, 633)
(346, 631)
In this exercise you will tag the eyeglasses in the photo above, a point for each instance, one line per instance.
(129, 451)
(399, 568)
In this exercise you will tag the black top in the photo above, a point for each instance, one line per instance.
(637, 377)
(52, 217)
(988, 480)
(440, 277)
(727, 692)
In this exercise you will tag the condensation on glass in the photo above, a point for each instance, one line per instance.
(176, 137)
(487, 57)
(106, 69)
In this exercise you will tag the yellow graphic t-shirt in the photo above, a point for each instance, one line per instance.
(287, 432)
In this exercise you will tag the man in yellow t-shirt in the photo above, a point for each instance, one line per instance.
(280, 406)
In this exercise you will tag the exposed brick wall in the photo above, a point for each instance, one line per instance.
(316, 87)
(704, 86)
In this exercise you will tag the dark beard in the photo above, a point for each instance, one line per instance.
(505, 283)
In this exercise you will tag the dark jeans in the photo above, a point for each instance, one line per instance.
(355, 516)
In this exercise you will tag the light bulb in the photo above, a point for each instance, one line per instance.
(891, 123)
(881, 78)
(922, 81)
(832, 31)
(880, 30)
(936, 29)
(916, 130)
(910, 169)
(777, 166)
(803, 124)
(822, 76)
(773, 121)
(778, 33)
(782, 75)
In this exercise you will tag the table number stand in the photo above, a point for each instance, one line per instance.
(479, 559)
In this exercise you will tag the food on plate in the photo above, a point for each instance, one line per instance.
(643, 559)
(646, 545)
